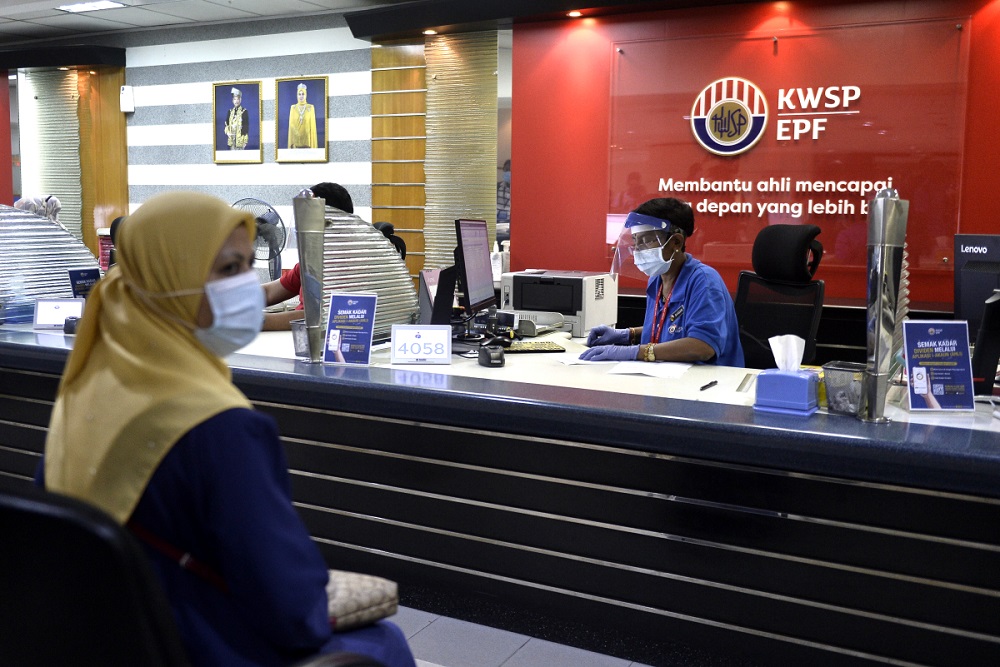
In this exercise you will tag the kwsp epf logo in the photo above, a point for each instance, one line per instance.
(729, 116)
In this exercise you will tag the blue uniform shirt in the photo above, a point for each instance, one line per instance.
(700, 307)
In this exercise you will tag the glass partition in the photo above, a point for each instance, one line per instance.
(797, 125)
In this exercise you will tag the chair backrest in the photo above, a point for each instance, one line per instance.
(766, 308)
(780, 297)
(389, 231)
(76, 589)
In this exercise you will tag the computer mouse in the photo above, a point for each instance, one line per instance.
(502, 341)
(491, 356)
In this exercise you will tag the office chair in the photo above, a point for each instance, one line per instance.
(389, 231)
(77, 590)
(780, 296)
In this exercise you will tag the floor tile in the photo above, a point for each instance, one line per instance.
(453, 643)
(411, 621)
(539, 652)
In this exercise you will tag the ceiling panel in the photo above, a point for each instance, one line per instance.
(23, 22)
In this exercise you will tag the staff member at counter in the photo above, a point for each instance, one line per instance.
(690, 315)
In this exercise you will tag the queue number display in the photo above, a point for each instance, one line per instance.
(421, 344)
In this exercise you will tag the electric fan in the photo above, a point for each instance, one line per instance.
(271, 235)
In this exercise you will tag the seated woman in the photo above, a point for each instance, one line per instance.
(148, 426)
(690, 316)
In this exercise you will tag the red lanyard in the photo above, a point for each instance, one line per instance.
(658, 322)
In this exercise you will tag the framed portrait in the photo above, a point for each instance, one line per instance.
(300, 111)
(236, 119)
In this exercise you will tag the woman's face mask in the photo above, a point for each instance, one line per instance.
(650, 260)
(237, 304)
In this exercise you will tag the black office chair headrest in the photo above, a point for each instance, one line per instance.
(782, 252)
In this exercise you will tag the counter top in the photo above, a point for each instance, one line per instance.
(535, 394)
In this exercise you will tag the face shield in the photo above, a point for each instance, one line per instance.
(640, 232)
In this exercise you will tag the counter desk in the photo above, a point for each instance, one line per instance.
(622, 500)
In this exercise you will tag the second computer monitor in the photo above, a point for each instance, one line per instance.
(474, 266)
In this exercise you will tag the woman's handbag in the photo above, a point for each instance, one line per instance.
(355, 600)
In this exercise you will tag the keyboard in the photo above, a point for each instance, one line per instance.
(534, 346)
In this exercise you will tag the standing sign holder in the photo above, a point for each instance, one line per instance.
(938, 365)
(349, 328)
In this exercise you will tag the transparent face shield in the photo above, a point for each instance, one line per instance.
(648, 232)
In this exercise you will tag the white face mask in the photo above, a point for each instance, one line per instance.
(237, 304)
(650, 261)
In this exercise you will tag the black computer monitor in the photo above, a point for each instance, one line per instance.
(473, 266)
(977, 274)
(986, 354)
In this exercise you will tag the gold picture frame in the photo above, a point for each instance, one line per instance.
(236, 137)
(300, 125)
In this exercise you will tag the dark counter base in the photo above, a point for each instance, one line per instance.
(824, 541)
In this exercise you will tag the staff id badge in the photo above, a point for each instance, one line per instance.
(421, 343)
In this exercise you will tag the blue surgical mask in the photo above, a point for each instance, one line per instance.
(237, 304)
(506, 176)
(650, 261)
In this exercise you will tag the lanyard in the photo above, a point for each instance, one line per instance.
(658, 322)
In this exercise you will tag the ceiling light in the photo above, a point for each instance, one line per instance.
(90, 6)
(575, 14)
(430, 32)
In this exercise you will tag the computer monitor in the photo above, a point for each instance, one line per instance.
(986, 354)
(474, 267)
(977, 274)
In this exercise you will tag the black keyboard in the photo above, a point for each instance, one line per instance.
(534, 346)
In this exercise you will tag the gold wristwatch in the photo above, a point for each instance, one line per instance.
(649, 353)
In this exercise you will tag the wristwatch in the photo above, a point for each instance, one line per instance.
(649, 353)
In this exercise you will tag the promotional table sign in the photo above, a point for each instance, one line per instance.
(349, 328)
(421, 343)
(939, 365)
(82, 280)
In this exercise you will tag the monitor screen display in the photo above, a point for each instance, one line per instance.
(475, 270)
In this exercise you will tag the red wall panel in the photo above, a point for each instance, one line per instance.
(562, 78)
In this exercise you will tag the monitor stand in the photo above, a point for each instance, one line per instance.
(468, 336)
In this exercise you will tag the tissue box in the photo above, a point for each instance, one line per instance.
(787, 392)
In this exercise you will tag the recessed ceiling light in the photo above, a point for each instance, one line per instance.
(90, 6)
(430, 32)
(575, 14)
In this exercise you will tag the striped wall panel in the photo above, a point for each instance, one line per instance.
(170, 133)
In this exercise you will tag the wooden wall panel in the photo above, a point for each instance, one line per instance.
(103, 151)
(394, 102)
(398, 126)
(398, 172)
(399, 104)
(398, 79)
(405, 219)
(387, 149)
(398, 195)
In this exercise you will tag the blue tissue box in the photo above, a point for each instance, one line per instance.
(787, 392)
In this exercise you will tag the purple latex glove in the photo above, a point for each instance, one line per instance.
(605, 335)
(611, 353)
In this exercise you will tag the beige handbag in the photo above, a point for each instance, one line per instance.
(357, 599)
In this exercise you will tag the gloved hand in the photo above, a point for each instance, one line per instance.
(605, 335)
(611, 353)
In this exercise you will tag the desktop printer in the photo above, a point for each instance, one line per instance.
(584, 299)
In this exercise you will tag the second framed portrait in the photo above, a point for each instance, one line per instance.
(236, 114)
(300, 110)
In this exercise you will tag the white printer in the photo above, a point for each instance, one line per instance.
(585, 299)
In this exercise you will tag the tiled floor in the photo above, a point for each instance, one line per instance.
(439, 641)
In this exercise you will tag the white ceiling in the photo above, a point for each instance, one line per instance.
(22, 22)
